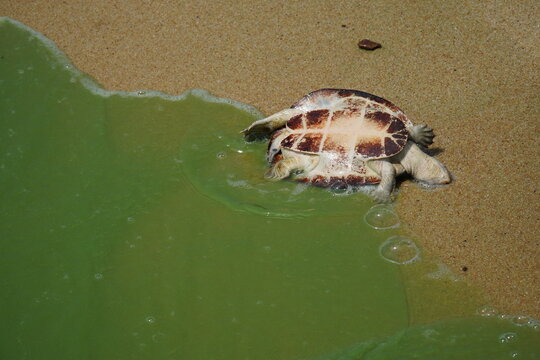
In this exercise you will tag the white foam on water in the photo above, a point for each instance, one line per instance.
(442, 272)
(96, 89)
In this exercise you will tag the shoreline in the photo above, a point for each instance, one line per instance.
(468, 70)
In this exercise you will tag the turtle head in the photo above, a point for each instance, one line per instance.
(272, 152)
(274, 146)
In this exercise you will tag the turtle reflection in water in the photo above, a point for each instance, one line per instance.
(334, 137)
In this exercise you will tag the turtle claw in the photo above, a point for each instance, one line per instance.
(422, 135)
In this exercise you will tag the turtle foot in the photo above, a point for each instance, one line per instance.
(422, 135)
(381, 196)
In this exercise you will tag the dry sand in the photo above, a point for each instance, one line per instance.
(467, 68)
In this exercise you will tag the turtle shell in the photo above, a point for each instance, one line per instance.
(347, 123)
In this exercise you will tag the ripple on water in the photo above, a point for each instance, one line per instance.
(381, 217)
(399, 250)
(231, 171)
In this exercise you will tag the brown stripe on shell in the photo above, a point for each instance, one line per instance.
(295, 122)
(310, 143)
(316, 119)
(320, 181)
(372, 148)
(289, 140)
(346, 93)
(392, 107)
(340, 181)
(381, 118)
(355, 180)
(391, 147)
(395, 126)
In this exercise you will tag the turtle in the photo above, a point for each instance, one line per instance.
(339, 137)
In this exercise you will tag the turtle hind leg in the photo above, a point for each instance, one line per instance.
(422, 135)
(423, 167)
(264, 127)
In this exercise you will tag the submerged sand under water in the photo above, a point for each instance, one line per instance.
(468, 69)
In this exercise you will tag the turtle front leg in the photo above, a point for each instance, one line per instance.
(382, 193)
(264, 127)
(422, 135)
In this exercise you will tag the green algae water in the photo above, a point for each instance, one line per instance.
(138, 226)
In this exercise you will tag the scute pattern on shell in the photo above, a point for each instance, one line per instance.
(347, 123)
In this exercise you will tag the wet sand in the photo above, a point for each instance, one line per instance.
(468, 69)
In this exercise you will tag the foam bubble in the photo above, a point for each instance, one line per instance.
(399, 250)
(508, 338)
(381, 217)
(487, 311)
(520, 320)
(221, 155)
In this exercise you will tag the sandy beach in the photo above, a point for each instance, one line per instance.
(469, 69)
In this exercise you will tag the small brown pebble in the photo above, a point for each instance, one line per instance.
(464, 268)
(368, 44)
